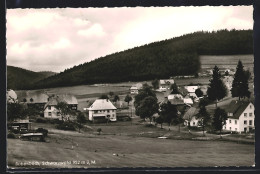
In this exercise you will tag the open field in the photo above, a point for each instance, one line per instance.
(227, 61)
(125, 145)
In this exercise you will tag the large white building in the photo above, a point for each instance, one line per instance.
(241, 117)
(102, 108)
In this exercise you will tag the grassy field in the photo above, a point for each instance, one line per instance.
(124, 144)
(227, 61)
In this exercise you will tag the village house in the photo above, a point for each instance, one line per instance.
(191, 90)
(241, 116)
(190, 117)
(165, 84)
(135, 88)
(33, 100)
(102, 109)
(50, 110)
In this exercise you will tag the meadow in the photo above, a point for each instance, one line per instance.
(125, 144)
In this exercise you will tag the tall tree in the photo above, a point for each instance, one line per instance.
(155, 84)
(146, 91)
(159, 120)
(204, 117)
(15, 111)
(81, 119)
(63, 108)
(148, 106)
(128, 99)
(116, 98)
(240, 83)
(198, 92)
(174, 89)
(219, 119)
(217, 89)
(168, 112)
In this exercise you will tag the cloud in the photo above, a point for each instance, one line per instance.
(55, 39)
(94, 30)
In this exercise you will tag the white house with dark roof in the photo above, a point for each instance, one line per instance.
(102, 108)
(241, 117)
(190, 117)
(135, 88)
(50, 110)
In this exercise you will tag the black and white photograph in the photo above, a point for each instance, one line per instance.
(130, 87)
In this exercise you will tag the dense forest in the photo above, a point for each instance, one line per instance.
(176, 56)
(19, 78)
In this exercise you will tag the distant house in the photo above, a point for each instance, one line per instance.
(50, 110)
(190, 117)
(191, 90)
(11, 96)
(240, 116)
(102, 109)
(187, 100)
(135, 88)
(165, 84)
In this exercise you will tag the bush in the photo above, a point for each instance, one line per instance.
(41, 120)
(43, 131)
(10, 135)
(66, 126)
(56, 121)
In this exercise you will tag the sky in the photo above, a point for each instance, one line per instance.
(58, 39)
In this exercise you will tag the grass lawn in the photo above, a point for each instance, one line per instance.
(125, 145)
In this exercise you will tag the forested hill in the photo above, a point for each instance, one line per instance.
(19, 78)
(176, 56)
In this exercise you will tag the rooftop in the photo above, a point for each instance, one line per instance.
(102, 104)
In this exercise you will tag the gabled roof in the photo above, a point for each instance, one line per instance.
(11, 95)
(69, 99)
(33, 97)
(191, 113)
(102, 104)
(237, 108)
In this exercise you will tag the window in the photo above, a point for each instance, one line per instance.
(250, 107)
(49, 113)
(229, 121)
(229, 128)
(58, 113)
(235, 121)
(245, 129)
(49, 107)
(250, 114)
(230, 114)
(250, 122)
(95, 112)
(193, 123)
(245, 122)
(245, 114)
(235, 129)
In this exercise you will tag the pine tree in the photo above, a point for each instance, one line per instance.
(217, 89)
(240, 83)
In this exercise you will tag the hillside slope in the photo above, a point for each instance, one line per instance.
(176, 56)
(19, 78)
